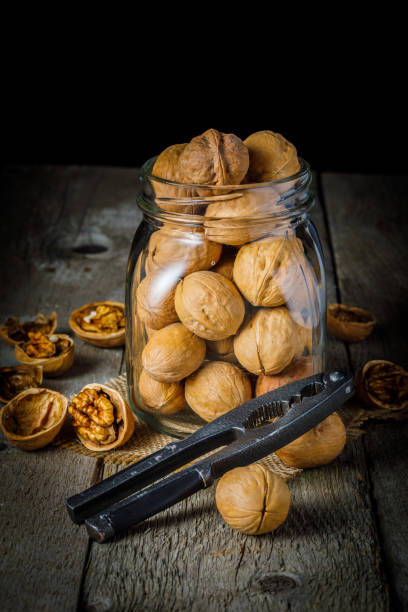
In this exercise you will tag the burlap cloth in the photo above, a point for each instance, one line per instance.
(146, 440)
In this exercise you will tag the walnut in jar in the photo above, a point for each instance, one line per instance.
(163, 397)
(253, 499)
(266, 343)
(269, 271)
(216, 388)
(299, 368)
(271, 157)
(101, 417)
(155, 301)
(209, 305)
(173, 353)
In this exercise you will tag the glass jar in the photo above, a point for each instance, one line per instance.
(225, 297)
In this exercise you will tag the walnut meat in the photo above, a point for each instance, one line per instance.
(253, 499)
(155, 301)
(100, 323)
(55, 353)
(268, 272)
(101, 417)
(214, 158)
(216, 388)
(166, 398)
(383, 385)
(271, 156)
(179, 253)
(266, 344)
(33, 418)
(173, 353)
(14, 332)
(209, 305)
(316, 447)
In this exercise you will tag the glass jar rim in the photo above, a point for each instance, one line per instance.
(303, 173)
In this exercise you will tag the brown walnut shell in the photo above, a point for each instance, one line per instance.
(179, 252)
(221, 350)
(33, 418)
(216, 388)
(271, 157)
(213, 158)
(124, 420)
(253, 499)
(383, 385)
(209, 305)
(15, 379)
(13, 331)
(226, 263)
(173, 353)
(166, 167)
(166, 398)
(349, 323)
(302, 367)
(269, 271)
(101, 339)
(155, 301)
(266, 343)
(52, 366)
(316, 447)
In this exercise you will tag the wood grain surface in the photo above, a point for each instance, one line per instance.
(343, 545)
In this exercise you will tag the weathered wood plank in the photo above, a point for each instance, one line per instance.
(325, 555)
(49, 212)
(368, 221)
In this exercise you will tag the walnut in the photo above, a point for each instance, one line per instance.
(180, 252)
(166, 398)
(241, 217)
(14, 379)
(221, 350)
(213, 158)
(155, 301)
(101, 417)
(316, 447)
(383, 385)
(349, 323)
(13, 332)
(173, 353)
(54, 353)
(301, 367)
(100, 323)
(209, 305)
(253, 499)
(266, 343)
(226, 263)
(216, 388)
(166, 167)
(269, 271)
(271, 157)
(33, 418)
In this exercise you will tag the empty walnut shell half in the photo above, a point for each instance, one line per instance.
(13, 331)
(102, 419)
(383, 384)
(33, 418)
(100, 323)
(36, 352)
(15, 379)
(349, 323)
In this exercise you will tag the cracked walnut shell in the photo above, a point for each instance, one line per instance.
(268, 272)
(267, 342)
(216, 388)
(100, 323)
(102, 419)
(173, 353)
(271, 157)
(209, 305)
(213, 158)
(54, 353)
(163, 397)
(383, 385)
(33, 418)
(13, 332)
(316, 447)
(15, 379)
(253, 499)
(349, 323)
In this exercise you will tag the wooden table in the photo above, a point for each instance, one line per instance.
(344, 545)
